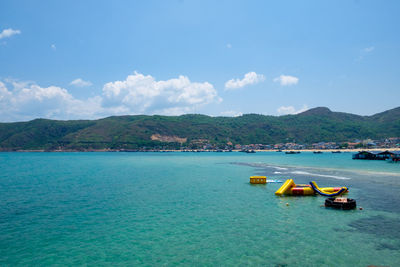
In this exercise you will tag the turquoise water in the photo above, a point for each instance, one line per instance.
(197, 209)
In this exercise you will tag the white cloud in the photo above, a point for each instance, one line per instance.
(364, 52)
(286, 80)
(285, 110)
(249, 78)
(8, 33)
(143, 94)
(53, 46)
(228, 46)
(369, 49)
(80, 83)
(231, 113)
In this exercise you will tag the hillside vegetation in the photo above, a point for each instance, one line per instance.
(135, 132)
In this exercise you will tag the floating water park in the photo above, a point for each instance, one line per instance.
(290, 188)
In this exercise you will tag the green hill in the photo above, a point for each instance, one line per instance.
(134, 132)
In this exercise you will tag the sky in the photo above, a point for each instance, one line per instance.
(93, 59)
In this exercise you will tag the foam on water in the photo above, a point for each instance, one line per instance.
(321, 175)
(279, 168)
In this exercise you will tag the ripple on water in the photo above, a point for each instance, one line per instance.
(380, 227)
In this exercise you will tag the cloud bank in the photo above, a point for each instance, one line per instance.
(286, 80)
(26, 101)
(137, 94)
(249, 78)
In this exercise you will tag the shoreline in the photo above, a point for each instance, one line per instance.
(196, 150)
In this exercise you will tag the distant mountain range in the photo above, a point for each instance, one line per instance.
(135, 132)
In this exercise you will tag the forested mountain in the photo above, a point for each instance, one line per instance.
(134, 132)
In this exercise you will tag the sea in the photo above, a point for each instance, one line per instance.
(194, 209)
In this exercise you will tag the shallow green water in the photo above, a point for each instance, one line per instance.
(193, 209)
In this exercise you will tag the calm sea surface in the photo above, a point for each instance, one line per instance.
(151, 209)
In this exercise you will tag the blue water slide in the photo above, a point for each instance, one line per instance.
(326, 194)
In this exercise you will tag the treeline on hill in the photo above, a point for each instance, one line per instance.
(173, 132)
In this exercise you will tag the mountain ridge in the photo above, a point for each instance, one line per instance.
(138, 131)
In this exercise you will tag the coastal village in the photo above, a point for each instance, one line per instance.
(203, 145)
(388, 143)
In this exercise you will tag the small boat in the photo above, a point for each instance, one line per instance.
(340, 203)
(292, 152)
(337, 151)
(317, 152)
(250, 151)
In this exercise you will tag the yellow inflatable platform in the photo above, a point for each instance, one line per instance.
(258, 179)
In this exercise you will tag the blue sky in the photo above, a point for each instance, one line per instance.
(92, 59)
